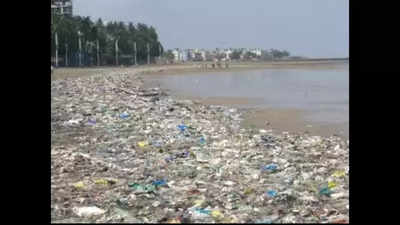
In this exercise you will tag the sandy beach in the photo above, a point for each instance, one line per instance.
(188, 68)
(276, 119)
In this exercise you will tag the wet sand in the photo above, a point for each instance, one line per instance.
(291, 120)
(278, 120)
(190, 68)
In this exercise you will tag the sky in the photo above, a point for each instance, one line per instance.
(311, 28)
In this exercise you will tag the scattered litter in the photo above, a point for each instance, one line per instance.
(158, 183)
(79, 185)
(182, 127)
(88, 211)
(339, 174)
(269, 168)
(91, 122)
(217, 214)
(331, 184)
(325, 191)
(178, 161)
(271, 193)
(124, 115)
(143, 144)
(101, 181)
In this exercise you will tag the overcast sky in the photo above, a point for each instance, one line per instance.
(313, 28)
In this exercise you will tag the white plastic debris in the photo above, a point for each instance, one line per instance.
(88, 211)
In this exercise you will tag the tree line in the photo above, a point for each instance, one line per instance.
(70, 29)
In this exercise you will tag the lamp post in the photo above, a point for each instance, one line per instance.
(66, 54)
(98, 54)
(116, 51)
(135, 53)
(148, 53)
(80, 47)
(56, 39)
(159, 52)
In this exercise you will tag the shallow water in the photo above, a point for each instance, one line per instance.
(323, 94)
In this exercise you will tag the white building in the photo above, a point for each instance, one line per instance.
(203, 54)
(61, 7)
(256, 51)
(178, 55)
(228, 54)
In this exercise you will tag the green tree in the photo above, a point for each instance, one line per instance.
(67, 30)
(236, 54)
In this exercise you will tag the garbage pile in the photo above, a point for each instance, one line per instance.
(121, 153)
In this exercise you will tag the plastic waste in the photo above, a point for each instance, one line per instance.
(101, 181)
(264, 221)
(331, 184)
(182, 127)
(202, 141)
(217, 214)
(91, 122)
(271, 193)
(158, 183)
(79, 185)
(325, 191)
(248, 191)
(124, 115)
(182, 174)
(198, 202)
(204, 211)
(143, 144)
(174, 220)
(88, 211)
(339, 174)
(270, 168)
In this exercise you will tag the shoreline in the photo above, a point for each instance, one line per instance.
(279, 120)
(190, 68)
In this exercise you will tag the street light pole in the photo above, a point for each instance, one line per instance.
(98, 54)
(116, 52)
(80, 48)
(148, 53)
(134, 47)
(66, 54)
(56, 39)
(159, 51)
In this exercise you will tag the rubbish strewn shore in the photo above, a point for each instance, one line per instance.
(124, 153)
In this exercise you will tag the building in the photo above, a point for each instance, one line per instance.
(178, 55)
(256, 51)
(228, 53)
(61, 7)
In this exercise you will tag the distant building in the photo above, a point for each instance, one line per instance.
(256, 51)
(175, 52)
(178, 55)
(61, 7)
(228, 54)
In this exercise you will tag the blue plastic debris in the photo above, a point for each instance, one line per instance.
(182, 127)
(265, 221)
(157, 143)
(202, 141)
(325, 191)
(159, 183)
(91, 122)
(270, 167)
(204, 211)
(271, 193)
(124, 115)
